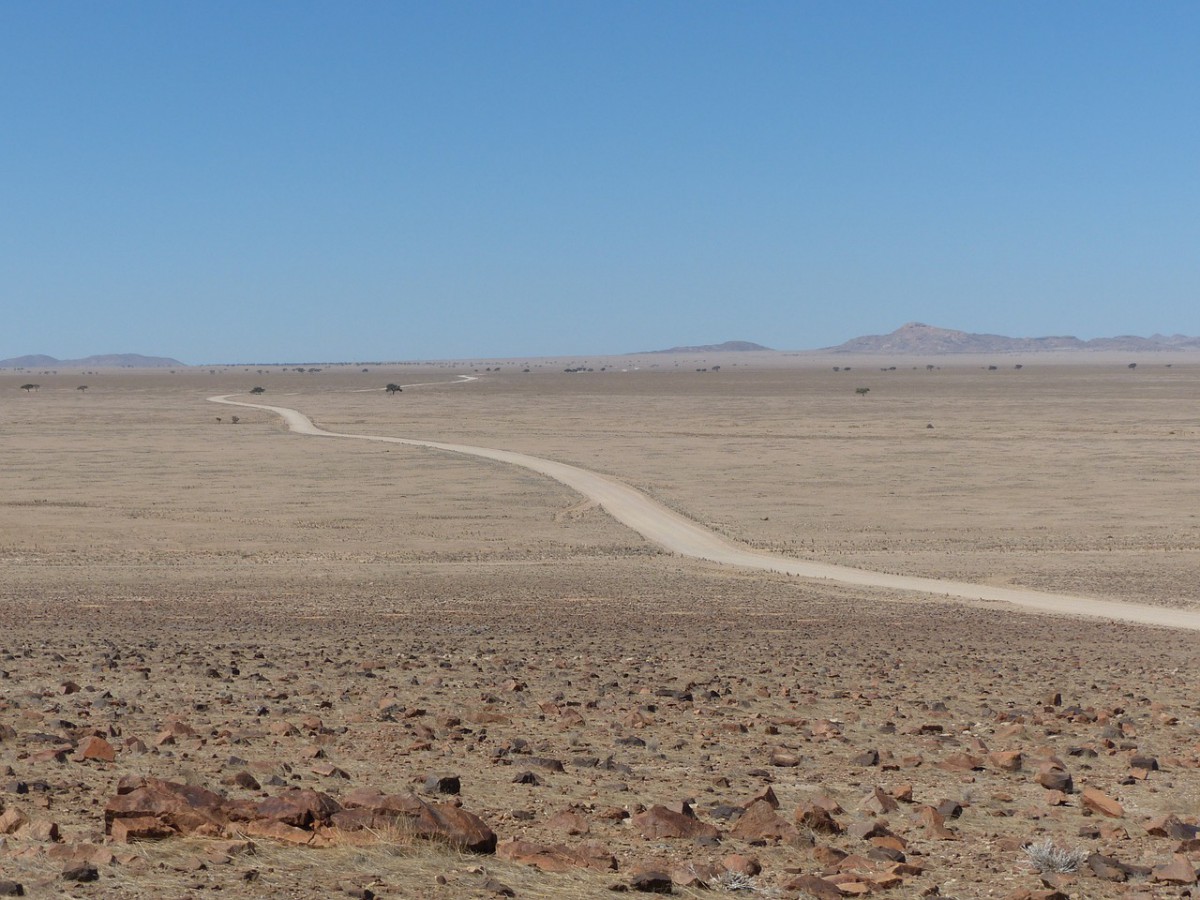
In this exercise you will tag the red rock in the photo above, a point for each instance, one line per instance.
(742, 865)
(1053, 776)
(1006, 760)
(1099, 802)
(96, 748)
(301, 809)
(879, 802)
(1166, 826)
(785, 759)
(51, 754)
(41, 830)
(128, 783)
(760, 822)
(650, 881)
(275, 830)
(767, 795)
(813, 886)
(960, 762)
(329, 770)
(934, 824)
(817, 818)
(557, 857)
(12, 819)
(829, 857)
(1106, 867)
(1178, 871)
(81, 852)
(569, 822)
(440, 822)
(694, 875)
(139, 828)
(185, 808)
(659, 822)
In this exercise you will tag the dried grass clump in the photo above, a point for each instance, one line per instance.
(1048, 857)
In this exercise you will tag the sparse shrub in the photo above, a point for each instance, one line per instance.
(257, 390)
(862, 392)
(736, 881)
(1047, 857)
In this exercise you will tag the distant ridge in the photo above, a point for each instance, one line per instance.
(727, 347)
(917, 337)
(103, 361)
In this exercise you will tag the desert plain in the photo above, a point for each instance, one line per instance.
(298, 628)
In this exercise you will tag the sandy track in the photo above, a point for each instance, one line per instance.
(681, 535)
(462, 379)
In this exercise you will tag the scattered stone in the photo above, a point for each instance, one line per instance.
(557, 857)
(1178, 871)
(817, 818)
(96, 748)
(11, 820)
(785, 759)
(1053, 776)
(1099, 802)
(659, 822)
(442, 784)
(815, 887)
(650, 881)
(1106, 867)
(1006, 760)
(81, 872)
(760, 822)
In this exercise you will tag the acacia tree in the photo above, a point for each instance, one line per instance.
(82, 387)
(30, 387)
(394, 389)
(258, 390)
(862, 392)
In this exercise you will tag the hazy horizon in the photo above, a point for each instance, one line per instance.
(452, 181)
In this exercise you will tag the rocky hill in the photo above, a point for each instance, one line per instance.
(727, 347)
(917, 337)
(103, 361)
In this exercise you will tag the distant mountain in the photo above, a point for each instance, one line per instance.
(104, 361)
(916, 337)
(728, 346)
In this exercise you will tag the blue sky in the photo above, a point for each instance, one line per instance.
(233, 181)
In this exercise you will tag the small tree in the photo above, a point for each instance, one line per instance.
(234, 419)
(862, 392)
(30, 387)
(258, 390)
(394, 389)
(81, 388)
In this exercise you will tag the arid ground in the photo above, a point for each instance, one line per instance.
(243, 609)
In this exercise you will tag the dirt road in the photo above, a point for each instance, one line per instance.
(678, 534)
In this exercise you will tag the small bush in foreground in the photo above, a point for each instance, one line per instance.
(1046, 857)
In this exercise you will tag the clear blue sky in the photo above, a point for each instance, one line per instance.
(260, 181)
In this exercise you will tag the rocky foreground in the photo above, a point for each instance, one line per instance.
(704, 736)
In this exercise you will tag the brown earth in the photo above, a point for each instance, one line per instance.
(339, 615)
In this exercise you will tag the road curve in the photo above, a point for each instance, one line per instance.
(681, 535)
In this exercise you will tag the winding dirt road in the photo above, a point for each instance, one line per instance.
(681, 535)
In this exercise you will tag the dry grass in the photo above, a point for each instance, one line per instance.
(132, 523)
